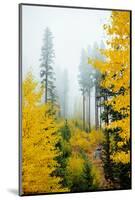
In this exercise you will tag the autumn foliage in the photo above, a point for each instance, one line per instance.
(39, 137)
(62, 154)
(116, 70)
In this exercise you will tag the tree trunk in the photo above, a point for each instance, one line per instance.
(100, 107)
(96, 108)
(83, 110)
(46, 86)
(108, 160)
(89, 112)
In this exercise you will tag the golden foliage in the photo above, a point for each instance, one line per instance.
(116, 68)
(86, 141)
(75, 166)
(96, 138)
(121, 156)
(39, 137)
(97, 175)
(80, 140)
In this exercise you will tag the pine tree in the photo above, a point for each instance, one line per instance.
(79, 171)
(86, 82)
(46, 72)
(65, 94)
(97, 78)
(65, 149)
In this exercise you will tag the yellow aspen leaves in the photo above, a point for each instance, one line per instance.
(39, 137)
(116, 69)
(75, 165)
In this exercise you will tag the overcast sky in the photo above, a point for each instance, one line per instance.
(73, 29)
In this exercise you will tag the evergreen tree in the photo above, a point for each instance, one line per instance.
(86, 82)
(80, 178)
(46, 72)
(65, 94)
(97, 78)
(65, 149)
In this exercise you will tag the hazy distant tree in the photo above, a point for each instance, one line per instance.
(65, 93)
(97, 78)
(46, 72)
(82, 83)
(90, 84)
(77, 108)
(62, 84)
(86, 83)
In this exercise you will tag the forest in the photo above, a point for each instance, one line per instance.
(87, 149)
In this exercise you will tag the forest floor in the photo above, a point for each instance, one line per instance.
(96, 162)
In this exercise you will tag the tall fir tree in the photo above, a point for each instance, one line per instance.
(46, 67)
(86, 82)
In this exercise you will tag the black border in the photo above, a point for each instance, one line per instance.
(20, 93)
(20, 99)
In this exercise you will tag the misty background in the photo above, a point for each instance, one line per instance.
(73, 30)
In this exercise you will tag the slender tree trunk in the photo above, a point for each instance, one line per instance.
(108, 160)
(107, 114)
(89, 112)
(100, 111)
(83, 110)
(64, 106)
(96, 109)
(46, 86)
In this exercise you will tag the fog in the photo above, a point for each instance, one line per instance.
(73, 30)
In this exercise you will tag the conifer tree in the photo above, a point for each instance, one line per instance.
(65, 149)
(86, 82)
(46, 67)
